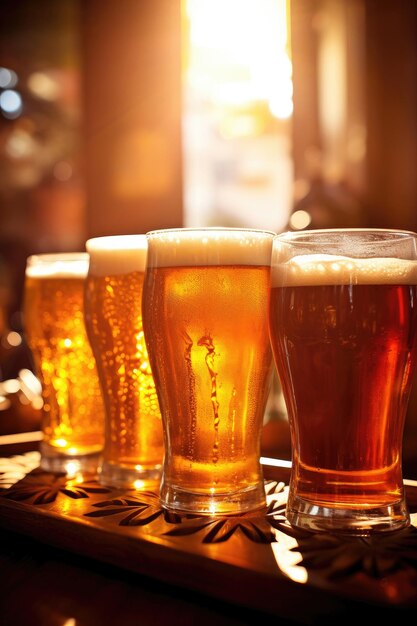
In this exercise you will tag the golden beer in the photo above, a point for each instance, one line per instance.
(73, 416)
(344, 333)
(206, 328)
(133, 448)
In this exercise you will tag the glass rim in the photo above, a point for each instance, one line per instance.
(305, 237)
(54, 257)
(106, 242)
(208, 229)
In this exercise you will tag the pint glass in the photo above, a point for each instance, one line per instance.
(73, 414)
(343, 319)
(205, 316)
(133, 447)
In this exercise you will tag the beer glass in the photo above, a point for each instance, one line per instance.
(205, 317)
(133, 449)
(73, 414)
(343, 319)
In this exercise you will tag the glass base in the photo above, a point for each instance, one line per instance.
(112, 475)
(359, 521)
(177, 499)
(70, 464)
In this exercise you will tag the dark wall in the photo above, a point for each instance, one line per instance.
(132, 114)
(391, 96)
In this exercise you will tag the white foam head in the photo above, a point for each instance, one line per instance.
(189, 247)
(344, 256)
(65, 265)
(323, 269)
(119, 254)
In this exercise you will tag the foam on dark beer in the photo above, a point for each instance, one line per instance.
(321, 269)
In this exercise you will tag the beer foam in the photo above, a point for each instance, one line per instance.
(67, 265)
(209, 246)
(325, 269)
(119, 254)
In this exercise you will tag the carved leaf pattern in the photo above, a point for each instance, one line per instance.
(141, 509)
(342, 556)
(43, 488)
(335, 557)
(144, 508)
(255, 525)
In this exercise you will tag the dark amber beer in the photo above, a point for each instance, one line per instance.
(73, 415)
(206, 328)
(343, 331)
(133, 448)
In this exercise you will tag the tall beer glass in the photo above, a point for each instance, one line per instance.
(73, 414)
(343, 321)
(205, 317)
(133, 447)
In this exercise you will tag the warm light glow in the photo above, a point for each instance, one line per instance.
(4, 403)
(240, 53)
(60, 443)
(20, 144)
(288, 558)
(30, 382)
(274, 462)
(78, 478)
(237, 72)
(139, 484)
(43, 86)
(72, 469)
(37, 403)
(10, 386)
(14, 339)
(300, 219)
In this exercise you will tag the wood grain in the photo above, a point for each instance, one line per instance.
(256, 560)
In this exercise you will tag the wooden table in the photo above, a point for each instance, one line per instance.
(76, 554)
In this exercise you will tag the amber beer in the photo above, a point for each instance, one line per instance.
(73, 416)
(343, 332)
(133, 448)
(206, 328)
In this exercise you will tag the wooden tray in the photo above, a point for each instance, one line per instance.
(256, 560)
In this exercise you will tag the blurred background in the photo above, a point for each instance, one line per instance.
(122, 117)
